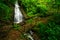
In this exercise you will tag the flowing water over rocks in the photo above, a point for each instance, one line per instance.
(18, 17)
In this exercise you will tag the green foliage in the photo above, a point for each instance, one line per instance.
(56, 18)
(5, 11)
(40, 7)
(30, 21)
(31, 7)
(16, 26)
(50, 30)
(57, 1)
(12, 1)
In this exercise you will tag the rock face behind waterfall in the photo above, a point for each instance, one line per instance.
(18, 17)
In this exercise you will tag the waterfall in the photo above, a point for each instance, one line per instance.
(18, 17)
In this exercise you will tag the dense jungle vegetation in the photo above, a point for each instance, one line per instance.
(40, 16)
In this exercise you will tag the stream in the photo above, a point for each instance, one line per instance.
(29, 35)
(18, 18)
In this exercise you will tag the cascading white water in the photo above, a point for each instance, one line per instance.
(29, 36)
(18, 17)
